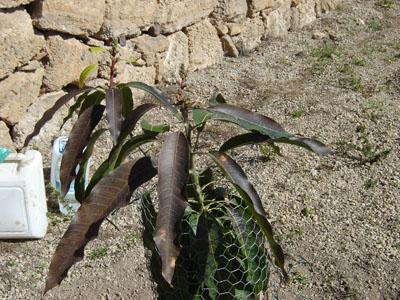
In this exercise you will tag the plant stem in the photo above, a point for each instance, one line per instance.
(114, 61)
(196, 181)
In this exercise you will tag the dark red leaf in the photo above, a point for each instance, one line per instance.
(113, 191)
(77, 141)
(172, 178)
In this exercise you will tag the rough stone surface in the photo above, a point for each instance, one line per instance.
(13, 3)
(322, 6)
(278, 21)
(253, 31)
(149, 46)
(5, 138)
(177, 57)
(205, 48)
(67, 59)
(229, 10)
(52, 128)
(133, 73)
(258, 5)
(18, 92)
(173, 15)
(129, 16)
(78, 17)
(18, 43)
(235, 28)
(303, 14)
(229, 46)
(222, 29)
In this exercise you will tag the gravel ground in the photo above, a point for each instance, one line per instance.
(337, 218)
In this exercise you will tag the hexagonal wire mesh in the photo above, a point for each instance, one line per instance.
(223, 254)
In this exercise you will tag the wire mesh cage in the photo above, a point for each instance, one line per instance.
(223, 252)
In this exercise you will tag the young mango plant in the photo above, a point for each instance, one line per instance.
(211, 231)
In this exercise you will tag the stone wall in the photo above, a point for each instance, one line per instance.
(44, 44)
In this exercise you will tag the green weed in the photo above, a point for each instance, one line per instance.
(385, 3)
(375, 26)
(297, 114)
(132, 239)
(359, 62)
(351, 83)
(370, 184)
(97, 253)
(325, 52)
(345, 68)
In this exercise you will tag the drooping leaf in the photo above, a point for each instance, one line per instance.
(81, 176)
(217, 98)
(77, 141)
(132, 118)
(50, 112)
(112, 192)
(154, 129)
(243, 140)
(91, 100)
(127, 104)
(258, 138)
(85, 73)
(248, 193)
(131, 145)
(114, 100)
(172, 177)
(244, 118)
(157, 94)
(307, 143)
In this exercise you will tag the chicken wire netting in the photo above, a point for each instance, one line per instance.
(223, 253)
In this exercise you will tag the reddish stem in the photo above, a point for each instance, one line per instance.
(114, 61)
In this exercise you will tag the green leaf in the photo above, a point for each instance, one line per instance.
(85, 73)
(91, 100)
(132, 118)
(112, 192)
(251, 245)
(200, 116)
(212, 274)
(173, 173)
(127, 105)
(131, 145)
(77, 141)
(238, 178)
(80, 177)
(243, 295)
(97, 49)
(154, 129)
(101, 171)
(192, 218)
(157, 94)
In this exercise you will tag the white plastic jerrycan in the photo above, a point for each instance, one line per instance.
(23, 205)
(69, 204)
